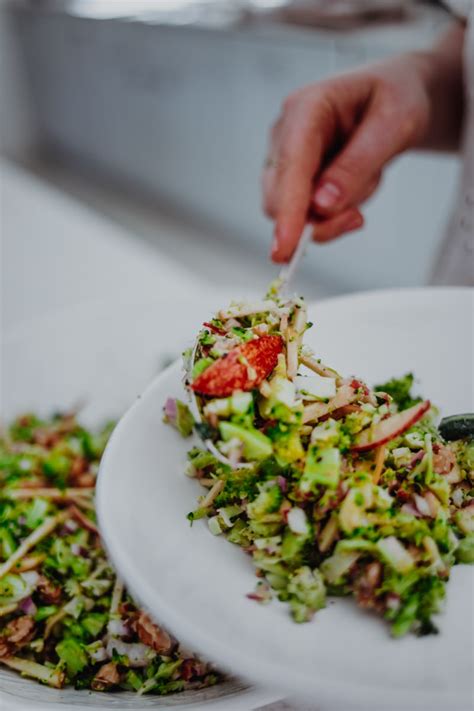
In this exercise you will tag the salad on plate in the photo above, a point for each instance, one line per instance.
(331, 486)
(65, 616)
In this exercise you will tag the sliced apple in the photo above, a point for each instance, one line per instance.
(386, 430)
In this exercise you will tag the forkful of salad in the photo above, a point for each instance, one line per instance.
(248, 339)
(257, 391)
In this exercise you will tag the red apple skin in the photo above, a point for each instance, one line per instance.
(388, 429)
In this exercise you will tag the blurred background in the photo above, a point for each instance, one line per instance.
(133, 133)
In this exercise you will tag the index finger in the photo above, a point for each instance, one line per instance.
(296, 163)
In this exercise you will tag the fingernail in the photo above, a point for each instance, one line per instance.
(276, 244)
(327, 196)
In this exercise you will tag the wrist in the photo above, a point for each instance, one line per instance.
(425, 64)
(440, 72)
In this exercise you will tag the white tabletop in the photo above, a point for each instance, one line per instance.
(58, 253)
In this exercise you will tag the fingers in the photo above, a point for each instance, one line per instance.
(349, 220)
(370, 188)
(333, 226)
(295, 194)
(295, 156)
(353, 119)
(294, 178)
(328, 229)
(350, 175)
(271, 171)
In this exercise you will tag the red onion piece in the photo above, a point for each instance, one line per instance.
(416, 459)
(28, 607)
(170, 409)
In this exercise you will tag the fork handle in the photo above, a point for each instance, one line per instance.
(288, 271)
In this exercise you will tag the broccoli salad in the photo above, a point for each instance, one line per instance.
(331, 486)
(65, 617)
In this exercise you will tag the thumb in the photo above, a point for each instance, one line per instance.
(344, 181)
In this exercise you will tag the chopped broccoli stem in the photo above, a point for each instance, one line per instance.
(40, 672)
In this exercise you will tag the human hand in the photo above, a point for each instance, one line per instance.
(331, 143)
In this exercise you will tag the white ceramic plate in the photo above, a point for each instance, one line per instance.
(198, 582)
(102, 356)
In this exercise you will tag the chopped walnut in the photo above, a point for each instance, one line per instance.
(80, 475)
(5, 648)
(36, 482)
(86, 480)
(366, 584)
(107, 677)
(443, 459)
(49, 592)
(153, 636)
(20, 630)
(193, 668)
(46, 438)
(79, 466)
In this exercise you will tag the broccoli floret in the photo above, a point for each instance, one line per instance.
(422, 601)
(239, 484)
(464, 450)
(400, 390)
(240, 534)
(307, 593)
(206, 338)
(292, 546)
(268, 501)
(288, 447)
(22, 429)
(72, 655)
(202, 459)
(465, 550)
(94, 622)
(243, 333)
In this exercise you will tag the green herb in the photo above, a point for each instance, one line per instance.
(400, 390)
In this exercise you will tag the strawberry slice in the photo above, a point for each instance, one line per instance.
(386, 430)
(243, 368)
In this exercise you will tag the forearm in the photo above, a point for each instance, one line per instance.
(442, 69)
